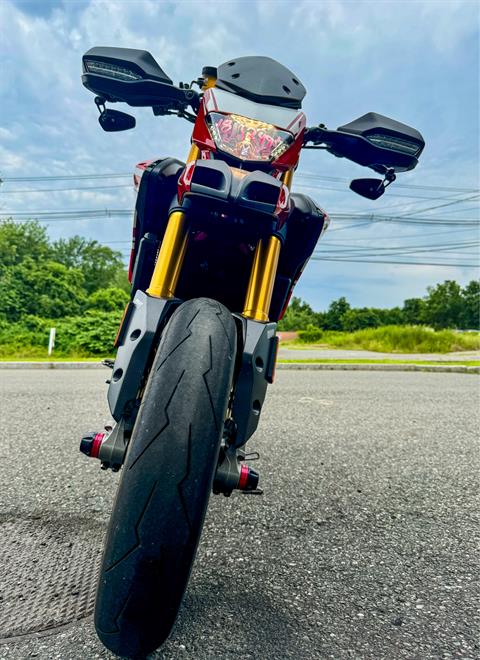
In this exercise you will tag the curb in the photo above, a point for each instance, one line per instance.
(302, 366)
(440, 368)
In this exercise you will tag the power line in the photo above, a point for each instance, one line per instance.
(43, 190)
(305, 175)
(400, 237)
(310, 175)
(401, 263)
(65, 177)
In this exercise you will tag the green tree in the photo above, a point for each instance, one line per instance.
(298, 316)
(101, 266)
(471, 306)
(358, 319)
(413, 311)
(108, 300)
(46, 289)
(392, 316)
(335, 314)
(21, 240)
(444, 305)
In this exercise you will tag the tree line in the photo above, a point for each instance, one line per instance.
(446, 305)
(44, 281)
(76, 285)
(56, 279)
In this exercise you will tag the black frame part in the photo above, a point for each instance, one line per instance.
(255, 372)
(148, 84)
(140, 62)
(355, 142)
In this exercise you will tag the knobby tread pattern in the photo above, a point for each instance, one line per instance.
(166, 481)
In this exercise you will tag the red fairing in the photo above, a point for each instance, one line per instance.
(139, 170)
(185, 180)
(289, 159)
(201, 136)
(284, 206)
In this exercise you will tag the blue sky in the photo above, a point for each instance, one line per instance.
(417, 62)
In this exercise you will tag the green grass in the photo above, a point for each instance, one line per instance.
(393, 339)
(53, 358)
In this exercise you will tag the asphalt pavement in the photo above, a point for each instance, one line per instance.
(364, 545)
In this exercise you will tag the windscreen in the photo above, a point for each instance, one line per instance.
(219, 100)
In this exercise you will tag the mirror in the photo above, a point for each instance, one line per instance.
(114, 120)
(369, 188)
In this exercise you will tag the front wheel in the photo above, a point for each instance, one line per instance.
(167, 478)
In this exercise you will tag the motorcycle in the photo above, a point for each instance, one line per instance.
(219, 242)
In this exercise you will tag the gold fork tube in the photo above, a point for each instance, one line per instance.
(172, 251)
(193, 154)
(264, 271)
(287, 178)
(262, 279)
(170, 259)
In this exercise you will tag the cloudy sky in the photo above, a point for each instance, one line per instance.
(416, 62)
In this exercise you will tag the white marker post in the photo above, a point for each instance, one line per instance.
(51, 340)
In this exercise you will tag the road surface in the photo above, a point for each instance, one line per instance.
(364, 545)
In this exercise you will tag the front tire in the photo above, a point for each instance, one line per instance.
(166, 480)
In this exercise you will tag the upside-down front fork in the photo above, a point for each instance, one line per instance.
(232, 473)
(172, 252)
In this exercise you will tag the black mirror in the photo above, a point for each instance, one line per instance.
(369, 188)
(113, 120)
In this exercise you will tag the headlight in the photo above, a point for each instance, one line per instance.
(111, 70)
(248, 139)
(391, 142)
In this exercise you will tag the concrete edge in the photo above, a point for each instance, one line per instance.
(440, 368)
(304, 366)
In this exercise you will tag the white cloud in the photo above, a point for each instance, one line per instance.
(402, 59)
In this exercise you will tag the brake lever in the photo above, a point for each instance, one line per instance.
(315, 134)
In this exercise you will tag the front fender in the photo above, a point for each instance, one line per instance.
(139, 334)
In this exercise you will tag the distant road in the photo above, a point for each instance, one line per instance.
(343, 354)
(364, 545)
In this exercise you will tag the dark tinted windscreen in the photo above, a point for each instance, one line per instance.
(263, 80)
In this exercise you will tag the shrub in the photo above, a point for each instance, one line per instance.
(404, 339)
(310, 335)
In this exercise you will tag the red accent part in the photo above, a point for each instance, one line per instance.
(201, 135)
(289, 158)
(242, 482)
(143, 165)
(284, 206)
(185, 180)
(97, 443)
